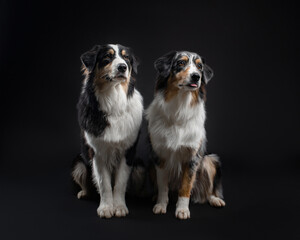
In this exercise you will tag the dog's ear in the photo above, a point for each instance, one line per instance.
(164, 64)
(207, 73)
(89, 58)
(135, 63)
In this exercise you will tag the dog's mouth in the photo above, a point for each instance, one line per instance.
(192, 85)
(119, 77)
(189, 85)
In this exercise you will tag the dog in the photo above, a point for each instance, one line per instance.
(110, 112)
(177, 134)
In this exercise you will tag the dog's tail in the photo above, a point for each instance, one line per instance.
(81, 174)
(208, 185)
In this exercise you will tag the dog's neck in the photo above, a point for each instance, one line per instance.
(113, 100)
(179, 109)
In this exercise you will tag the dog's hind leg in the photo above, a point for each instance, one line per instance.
(80, 174)
(214, 165)
(208, 186)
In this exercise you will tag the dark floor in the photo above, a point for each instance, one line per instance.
(261, 204)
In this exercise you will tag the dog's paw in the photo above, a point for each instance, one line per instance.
(160, 208)
(182, 213)
(105, 211)
(121, 210)
(81, 194)
(216, 202)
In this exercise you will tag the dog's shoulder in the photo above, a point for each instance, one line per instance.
(91, 118)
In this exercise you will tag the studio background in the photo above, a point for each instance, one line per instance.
(252, 113)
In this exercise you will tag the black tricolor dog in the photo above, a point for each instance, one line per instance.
(110, 114)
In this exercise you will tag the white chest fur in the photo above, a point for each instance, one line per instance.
(175, 124)
(124, 117)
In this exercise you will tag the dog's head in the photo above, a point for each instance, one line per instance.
(109, 64)
(182, 71)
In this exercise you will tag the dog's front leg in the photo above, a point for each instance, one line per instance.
(121, 179)
(102, 177)
(188, 178)
(163, 190)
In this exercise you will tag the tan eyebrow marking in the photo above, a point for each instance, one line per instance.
(198, 60)
(111, 51)
(123, 52)
(185, 58)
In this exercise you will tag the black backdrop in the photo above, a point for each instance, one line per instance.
(252, 113)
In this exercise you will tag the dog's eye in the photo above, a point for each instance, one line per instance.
(199, 66)
(181, 62)
(108, 55)
(126, 56)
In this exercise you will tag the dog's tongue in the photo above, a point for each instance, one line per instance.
(193, 85)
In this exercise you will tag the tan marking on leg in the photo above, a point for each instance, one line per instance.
(210, 168)
(187, 181)
(207, 172)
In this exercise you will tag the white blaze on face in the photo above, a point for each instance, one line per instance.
(117, 61)
(193, 67)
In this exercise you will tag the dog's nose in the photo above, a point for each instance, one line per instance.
(195, 77)
(122, 67)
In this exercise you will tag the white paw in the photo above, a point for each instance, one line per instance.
(182, 213)
(81, 194)
(105, 211)
(121, 210)
(160, 208)
(216, 202)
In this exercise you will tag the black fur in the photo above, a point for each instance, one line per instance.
(193, 163)
(202, 93)
(207, 72)
(89, 58)
(217, 187)
(85, 151)
(130, 87)
(163, 65)
(90, 118)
